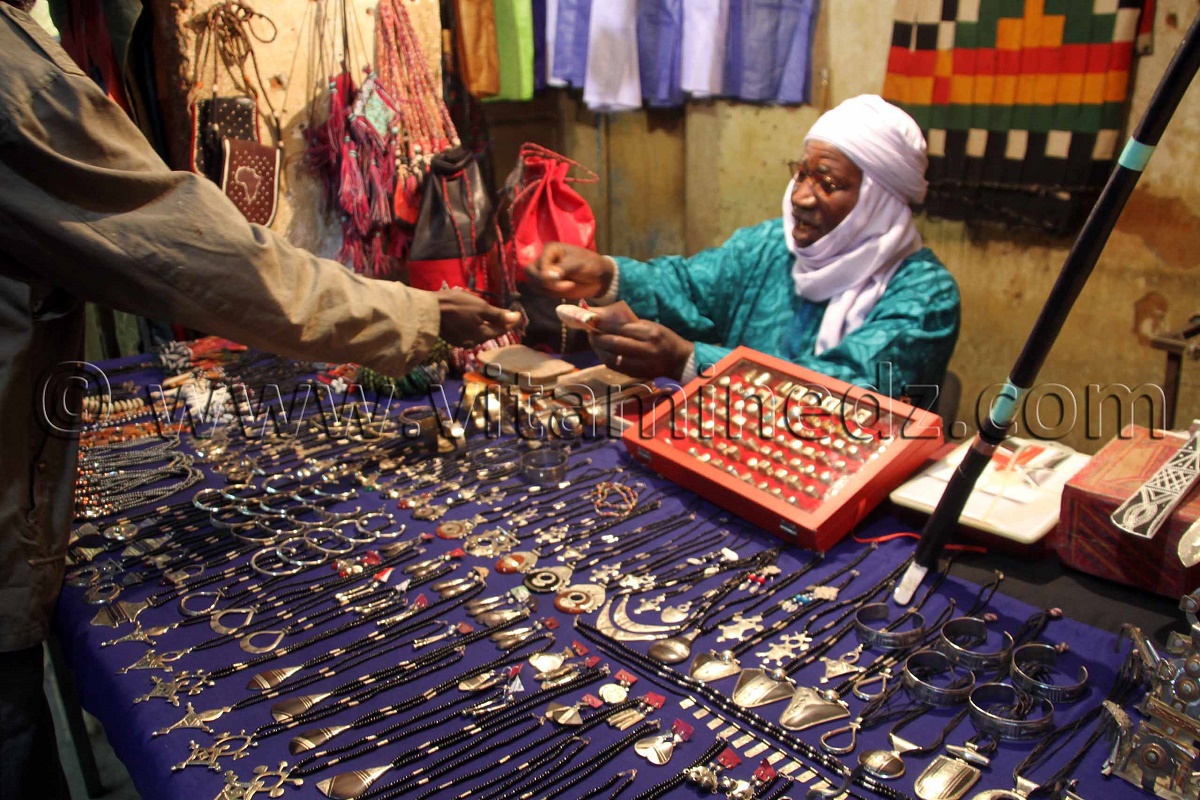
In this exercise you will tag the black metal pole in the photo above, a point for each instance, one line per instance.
(1075, 272)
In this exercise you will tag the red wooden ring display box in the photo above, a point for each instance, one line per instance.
(800, 454)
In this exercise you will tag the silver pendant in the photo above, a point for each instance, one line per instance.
(311, 740)
(673, 615)
(606, 625)
(659, 748)
(738, 626)
(194, 719)
(713, 666)
(269, 782)
(946, 778)
(247, 642)
(152, 660)
(809, 708)
(785, 649)
(650, 604)
(233, 745)
(218, 626)
(837, 667)
(757, 687)
(545, 662)
(139, 634)
(564, 714)
(673, 650)
(292, 707)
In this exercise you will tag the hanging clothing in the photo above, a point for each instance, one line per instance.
(572, 21)
(741, 293)
(660, 43)
(551, 39)
(539, 44)
(478, 53)
(514, 39)
(613, 82)
(702, 60)
(768, 57)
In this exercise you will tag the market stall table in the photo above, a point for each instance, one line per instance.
(573, 768)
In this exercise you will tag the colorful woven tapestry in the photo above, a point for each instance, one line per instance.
(1022, 102)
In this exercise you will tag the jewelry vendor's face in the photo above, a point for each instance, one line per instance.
(827, 184)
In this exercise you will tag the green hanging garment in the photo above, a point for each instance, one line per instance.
(514, 37)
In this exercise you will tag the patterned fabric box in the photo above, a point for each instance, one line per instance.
(1088, 541)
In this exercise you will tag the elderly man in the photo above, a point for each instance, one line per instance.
(845, 289)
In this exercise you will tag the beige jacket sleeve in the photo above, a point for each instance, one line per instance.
(87, 205)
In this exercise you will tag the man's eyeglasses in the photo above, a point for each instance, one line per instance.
(820, 182)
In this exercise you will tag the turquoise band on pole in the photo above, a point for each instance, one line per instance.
(1136, 155)
(1004, 407)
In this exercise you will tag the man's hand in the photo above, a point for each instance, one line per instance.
(641, 348)
(575, 273)
(468, 320)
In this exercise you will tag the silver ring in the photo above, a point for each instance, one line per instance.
(617, 363)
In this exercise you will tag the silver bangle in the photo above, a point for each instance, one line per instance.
(545, 466)
(339, 497)
(292, 550)
(925, 663)
(306, 508)
(374, 533)
(272, 572)
(332, 517)
(989, 695)
(268, 483)
(270, 504)
(1037, 654)
(219, 519)
(240, 492)
(973, 630)
(883, 638)
(211, 500)
(279, 526)
(340, 545)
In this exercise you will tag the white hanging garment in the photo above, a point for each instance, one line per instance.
(613, 82)
(702, 68)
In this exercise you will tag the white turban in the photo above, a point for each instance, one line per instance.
(850, 265)
(885, 142)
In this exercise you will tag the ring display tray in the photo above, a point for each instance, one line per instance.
(800, 454)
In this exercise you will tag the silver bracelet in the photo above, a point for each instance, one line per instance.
(211, 500)
(545, 466)
(989, 695)
(292, 551)
(374, 533)
(926, 663)
(974, 630)
(1045, 655)
(319, 539)
(883, 638)
(285, 567)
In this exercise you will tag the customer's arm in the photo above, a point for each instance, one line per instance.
(86, 205)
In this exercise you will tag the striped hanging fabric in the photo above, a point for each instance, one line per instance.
(1022, 102)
